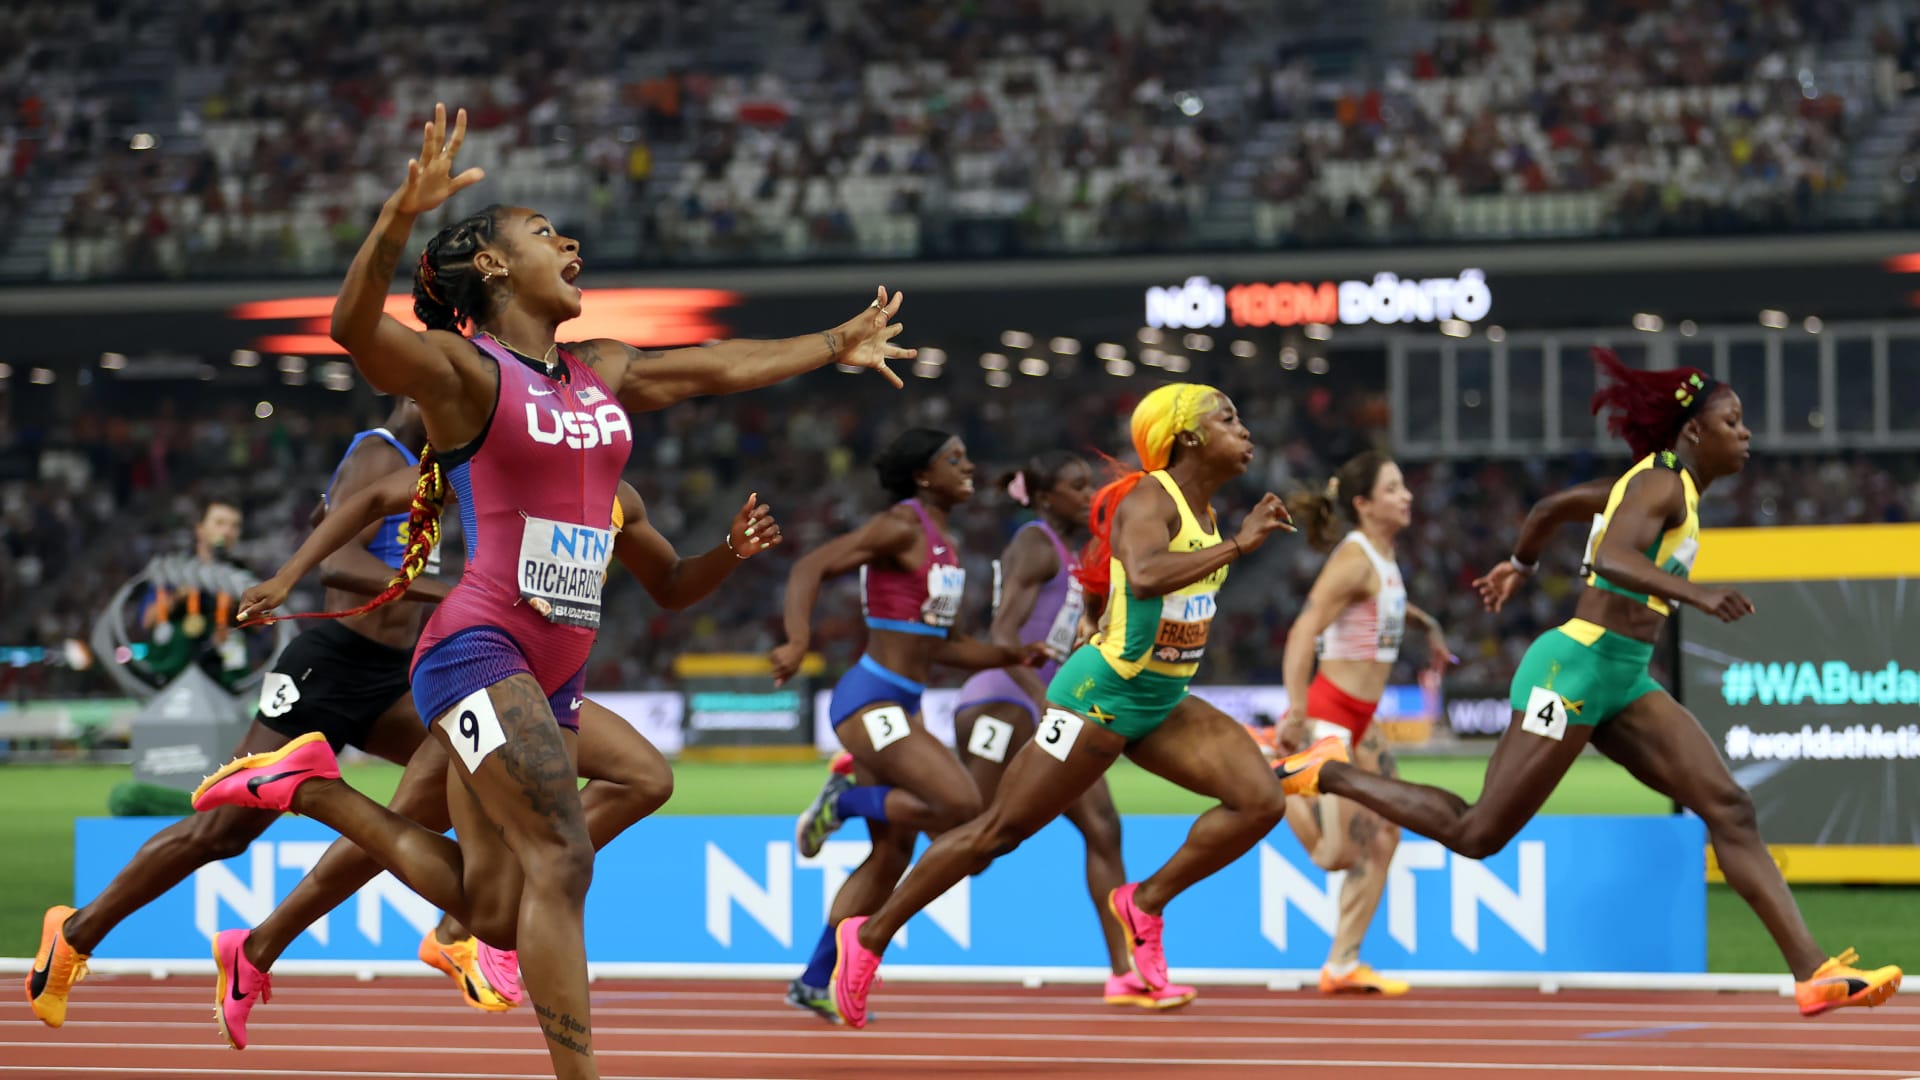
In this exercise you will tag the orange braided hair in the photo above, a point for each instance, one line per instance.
(423, 535)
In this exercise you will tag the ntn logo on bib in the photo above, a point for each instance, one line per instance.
(562, 568)
(946, 585)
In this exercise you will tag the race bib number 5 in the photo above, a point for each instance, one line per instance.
(562, 567)
(1058, 731)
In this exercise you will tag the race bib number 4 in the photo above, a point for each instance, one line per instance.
(1184, 622)
(562, 567)
(1546, 714)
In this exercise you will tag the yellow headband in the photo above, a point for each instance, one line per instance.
(1164, 414)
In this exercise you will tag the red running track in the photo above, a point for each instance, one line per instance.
(411, 1029)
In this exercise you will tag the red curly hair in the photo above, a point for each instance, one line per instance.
(1648, 408)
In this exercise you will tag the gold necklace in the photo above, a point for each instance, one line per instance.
(546, 364)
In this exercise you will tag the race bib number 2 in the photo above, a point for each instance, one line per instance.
(562, 567)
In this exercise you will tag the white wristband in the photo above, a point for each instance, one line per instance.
(1525, 568)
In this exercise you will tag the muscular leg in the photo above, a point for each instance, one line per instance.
(174, 852)
(1524, 770)
(627, 779)
(1664, 747)
(986, 766)
(1205, 751)
(867, 887)
(1034, 791)
(931, 785)
(1094, 814)
(344, 868)
(522, 803)
(1365, 847)
(931, 792)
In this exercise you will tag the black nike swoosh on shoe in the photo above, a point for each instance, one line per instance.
(40, 974)
(254, 785)
(233, 984)
(1855, 986)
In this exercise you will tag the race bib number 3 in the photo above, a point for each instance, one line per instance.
(474, 729)
(562, 567)
(1546, 714)
(886, 725)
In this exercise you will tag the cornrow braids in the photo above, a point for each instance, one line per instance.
(423, 535)
(448, 293)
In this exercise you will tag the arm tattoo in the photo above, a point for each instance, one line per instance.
(386, 258)
(833, 342)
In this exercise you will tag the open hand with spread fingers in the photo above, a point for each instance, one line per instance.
(866, 340)
(430, 177)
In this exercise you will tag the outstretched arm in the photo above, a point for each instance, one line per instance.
(645, 380)
(676, 583)
(393, 357)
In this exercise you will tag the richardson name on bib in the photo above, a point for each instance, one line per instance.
(562, 570)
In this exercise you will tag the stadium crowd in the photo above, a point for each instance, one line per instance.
(677, 131)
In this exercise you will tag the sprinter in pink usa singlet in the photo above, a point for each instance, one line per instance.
(533, 492)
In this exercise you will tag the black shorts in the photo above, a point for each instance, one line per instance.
(332, 680)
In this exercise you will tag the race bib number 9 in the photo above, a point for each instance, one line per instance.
(1184, 622)
(562, 567)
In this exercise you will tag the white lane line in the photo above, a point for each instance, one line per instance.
(1026, 1059)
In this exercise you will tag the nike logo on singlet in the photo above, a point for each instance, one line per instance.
(541, 393)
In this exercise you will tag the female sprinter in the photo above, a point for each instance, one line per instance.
(1038, 598)
(533, 439)
(627, 777)
(346, 679)
(911, 585)
(1352, 620)
(1587, 680)
(1126, 692)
